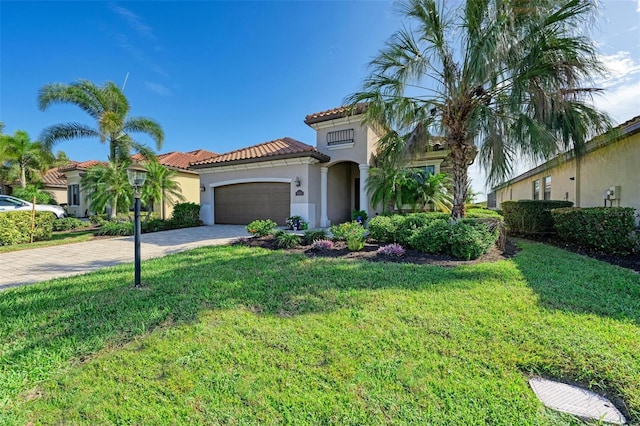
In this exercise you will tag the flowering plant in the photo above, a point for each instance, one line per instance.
(391, 250)
(294, 222)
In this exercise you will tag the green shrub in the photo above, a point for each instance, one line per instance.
(315, 235)
(384, 229)
(115, 229)
(15, 227)
(470, 240)
(156, 225)
(42, 197)
(286, 240)
(342, 231)
(609, 229)
(261, 228)
(98, 219)
(186, 215)
(481, 213)
(530, 217)
(351, 232)
(67, 223)
(432, 238)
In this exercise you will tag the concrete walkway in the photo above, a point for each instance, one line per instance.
(40, 264)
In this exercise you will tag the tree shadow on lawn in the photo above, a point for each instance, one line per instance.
(569, 282)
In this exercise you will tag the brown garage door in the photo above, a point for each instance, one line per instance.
(242, 203)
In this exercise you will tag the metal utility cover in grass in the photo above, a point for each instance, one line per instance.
(577, 401)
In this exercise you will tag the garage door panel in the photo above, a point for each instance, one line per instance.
(242, 203)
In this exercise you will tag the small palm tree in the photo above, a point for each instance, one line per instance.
(25, 160)
(160, 186)
(109, 107)
(107, 185)
(502, 79)
(430, 190)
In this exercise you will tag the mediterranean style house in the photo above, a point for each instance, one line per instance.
(274, 180)
(607, 175)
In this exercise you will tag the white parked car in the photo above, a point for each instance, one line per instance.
(11, 204)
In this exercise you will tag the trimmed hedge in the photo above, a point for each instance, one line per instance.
(186, 215)
(15, 227)
(529, 217)
(68, 223)
(398, 228)
(609, 229)
(469, 238)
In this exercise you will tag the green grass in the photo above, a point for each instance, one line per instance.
(247, 336)
(57, 238)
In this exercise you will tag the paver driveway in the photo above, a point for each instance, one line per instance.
(41, 264)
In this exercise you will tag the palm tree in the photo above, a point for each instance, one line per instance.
(430, 190)
(160, 186)
(505, 79)
(109, 107)
(25, 160)
(107, 185)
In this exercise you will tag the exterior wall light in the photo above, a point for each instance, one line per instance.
(297, 181)
(203, 188)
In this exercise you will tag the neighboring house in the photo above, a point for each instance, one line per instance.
(607, 175)
(55, 183)
(284, 177)
(78, 205)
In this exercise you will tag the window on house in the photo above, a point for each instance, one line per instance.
(536, 189)
(547, 188)
(73, 195)
(340, 137)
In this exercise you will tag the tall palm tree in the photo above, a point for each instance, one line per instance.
(109, 107)
(502, 79)
(160, 186)
(25, 160)
(107, 185)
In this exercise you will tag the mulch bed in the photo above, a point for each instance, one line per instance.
(369, 253)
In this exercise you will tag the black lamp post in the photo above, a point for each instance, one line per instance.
(137, 174)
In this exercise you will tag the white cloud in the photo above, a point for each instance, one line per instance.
(157, 88)
(622, 69)
(134, 21)
(638, 7)
(622, 102)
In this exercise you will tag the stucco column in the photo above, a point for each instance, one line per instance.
(324, 219)
(364, 175)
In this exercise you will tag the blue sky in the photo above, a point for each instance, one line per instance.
(224, 75)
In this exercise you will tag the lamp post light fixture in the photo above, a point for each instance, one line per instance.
(137, 174)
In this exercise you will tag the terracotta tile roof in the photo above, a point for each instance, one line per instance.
(272, 150)
(54, 177)
(83, 165)
(331, 114)
(179, 160)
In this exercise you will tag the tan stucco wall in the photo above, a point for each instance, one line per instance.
(190, 189)
(615, 165)
(365, 141)
(59, 194)
(307, 205)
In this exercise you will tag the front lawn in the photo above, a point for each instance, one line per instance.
(244, 335)
(57, 238)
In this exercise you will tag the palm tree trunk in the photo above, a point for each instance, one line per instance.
(459, 163)
(23, 177)
(114, 208)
